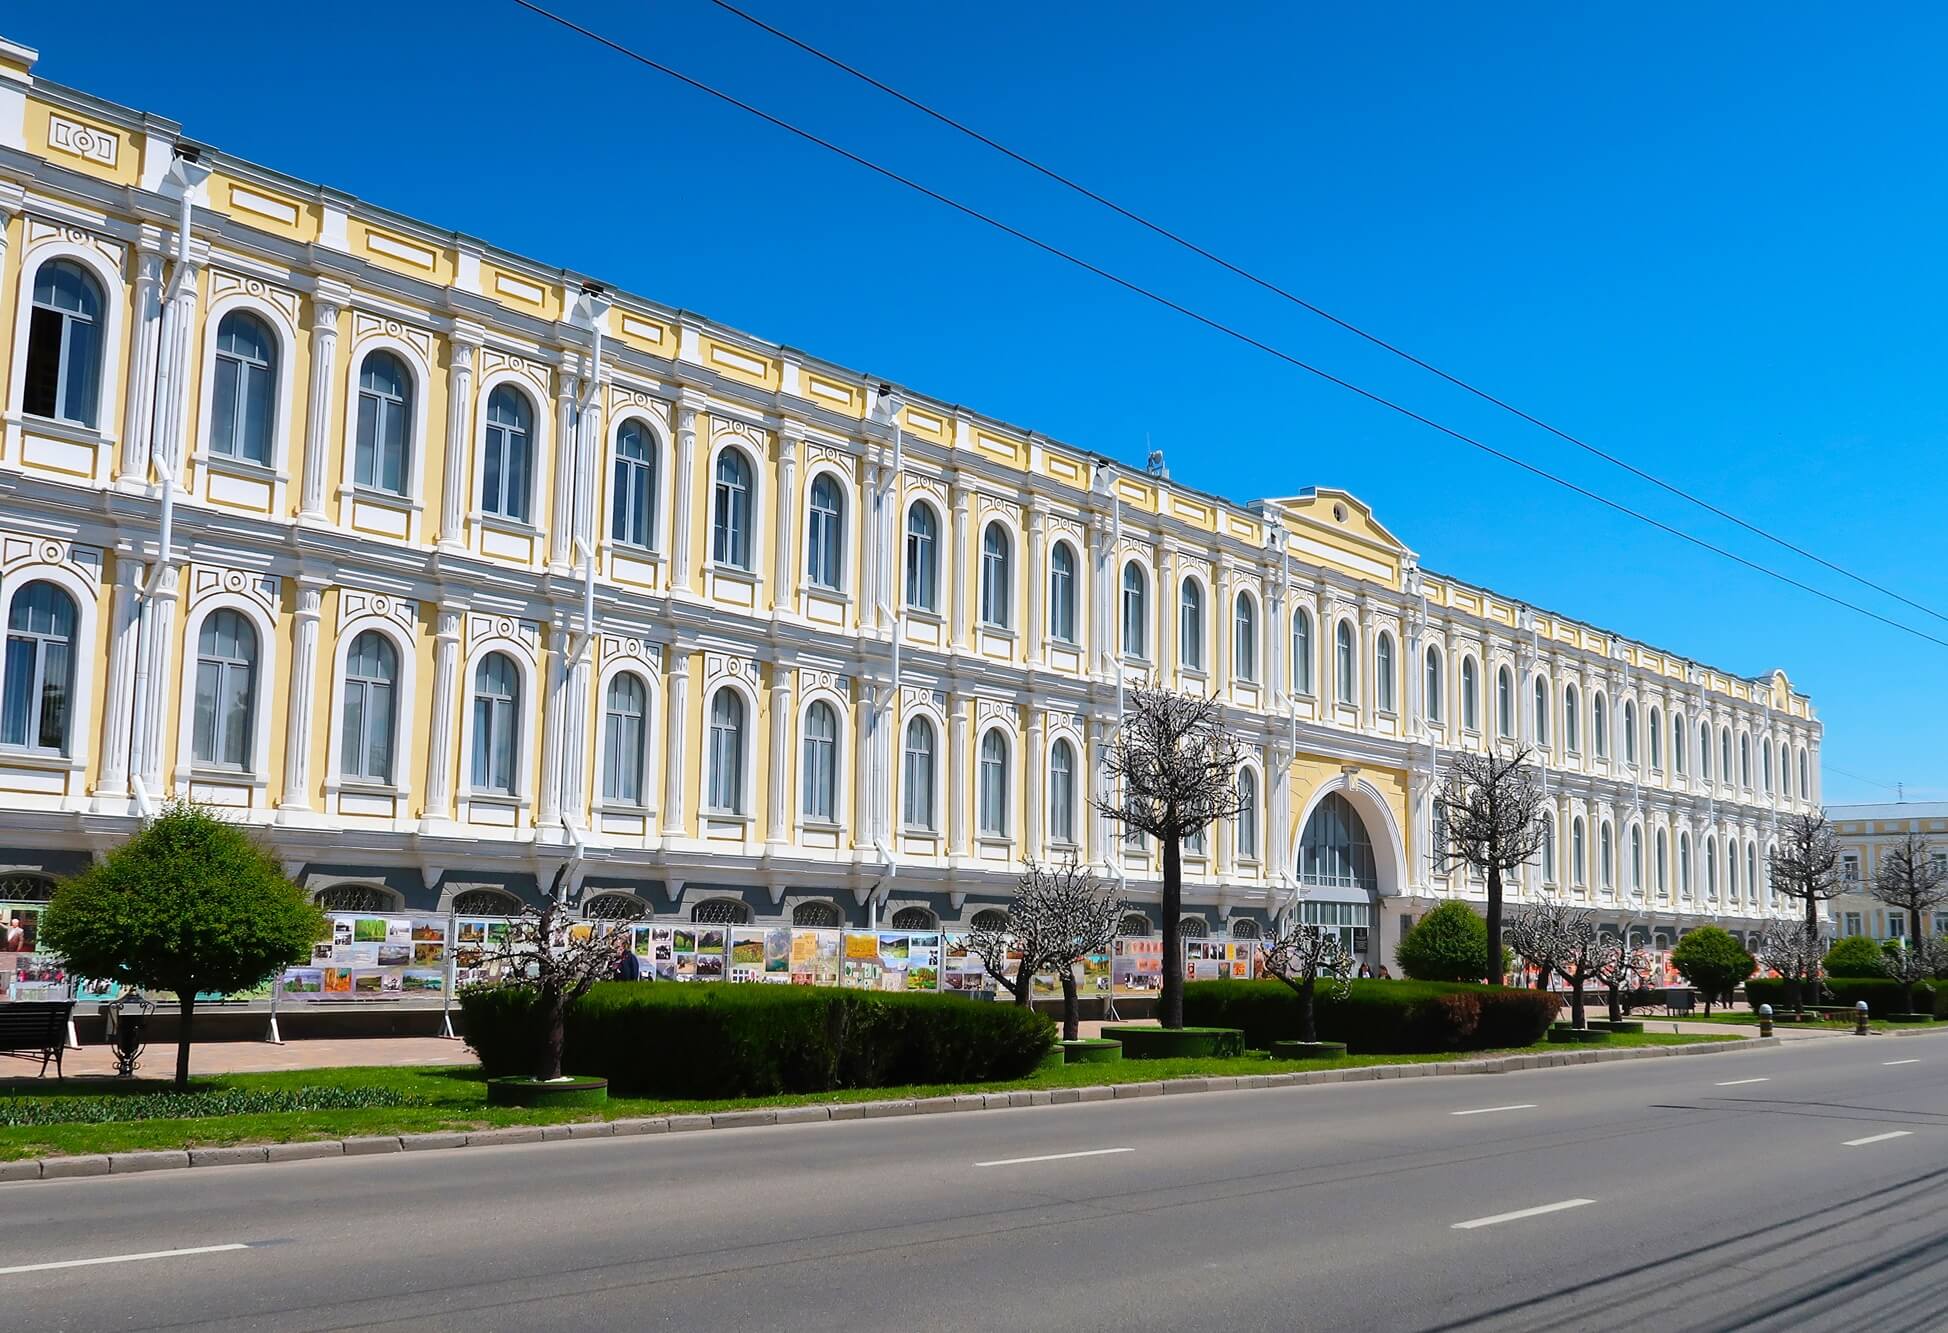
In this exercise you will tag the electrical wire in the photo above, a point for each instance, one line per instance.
(1286, 294)
(1211, 323)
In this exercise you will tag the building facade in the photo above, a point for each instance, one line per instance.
(446, 569)
(1866, 833)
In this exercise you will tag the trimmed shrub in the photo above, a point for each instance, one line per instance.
(1091, 1051)
(1308, 1050)
(705, 1041)
(1185, 1043)
(1713, 962)
(1578, 1036)
(524, 1091)
(1855, 956)
(1379, 1017)
(1883, 996)
(1450, 943)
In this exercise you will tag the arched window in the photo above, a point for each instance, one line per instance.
(1752, 871)
(1190, 625)
(721, 912)
(1578, 853)
(915, 918)
(816, 915)
(1663, 864)
(1711, 869)
(1061, 792)
(1546, 853)
(997, 576)
(1061, 593)
(1630, 732)
(1470, 695)
(1636, 857)
(820, 799)
(1571, 718)
(355, 898)
(64, 345)
(385, 409)
(1805, 785)
(825, 534)
(730, 524)
(496, 723)
(1134, 924)
(371, 684)
(1247, 821)
(1599, 726)
(1383, 672)
(1656, 733)
(1541, 711)
(614, 907)
(1334, 849)
(1244, 654)
(989, 918)
(726, 793)
(922, 557)
(1504, 703)
(1302, 651)
(486, 902)
(37, 700)
(1684, 865)
(226, 690)
(1136, 610)
(507, 466)
(634, 520)
(1345, 684)
(1433, 684)
(1194, 928)
(243, 392)
(994, 785)
(916, 775)
(1704, 752)
(1606, 857)
(625, 712)
(1765, 768)
(1677, 744)
(1745, 762)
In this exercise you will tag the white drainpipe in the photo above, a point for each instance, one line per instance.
(883, 715)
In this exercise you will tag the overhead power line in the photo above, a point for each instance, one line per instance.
(1211, 323)
(1267, 284)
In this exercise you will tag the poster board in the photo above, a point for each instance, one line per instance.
(373, 956)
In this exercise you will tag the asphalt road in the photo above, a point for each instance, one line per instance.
(1796, 1187)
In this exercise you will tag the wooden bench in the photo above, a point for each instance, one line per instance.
(35, 1028)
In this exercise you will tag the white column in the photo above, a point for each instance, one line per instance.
(1223, 632)
(865, 813)
(957, 761)
(461, 345)
(441, 722)
(676, 734)
(562, 516)
(777, 824)
(123, 646)
(554, 728)
(1169, 618)
(144, 348)
(296, 799)
(784, 583)
(574, 731)
(326, 306)
(682, 501)
(172, 403)
(588, 462)
(1033, 765)
(966, 558)
(1035, 565)
(158, 646)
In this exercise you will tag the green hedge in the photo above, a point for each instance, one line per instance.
(1189, 1042)
(1379, 1017)
(704, 1041)
(1883, 995)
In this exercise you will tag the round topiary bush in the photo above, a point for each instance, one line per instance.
(553, 1095)
(1177, 1043)
(1091, 1051)
(1308, 1050)
(1450, 943)
(1578, 1036)
(1855, 956)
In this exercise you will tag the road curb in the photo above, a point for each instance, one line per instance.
(122, 1164)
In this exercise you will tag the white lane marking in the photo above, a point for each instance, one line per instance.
(1521, 1213)
(1741, 1082)
(1877, 1138)
(1055, 1157)
(1915, 1061)
(123, 1258)
(1484, 1110)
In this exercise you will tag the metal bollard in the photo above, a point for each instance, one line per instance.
(1765, 1020)
(1860, 1019)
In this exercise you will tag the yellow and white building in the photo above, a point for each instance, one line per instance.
(444, 568)
(1866, 834)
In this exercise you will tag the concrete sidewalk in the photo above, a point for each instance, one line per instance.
(245, 1057)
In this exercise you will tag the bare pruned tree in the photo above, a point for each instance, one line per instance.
(1059, 915)
(1562, 940)
(1492, 813)
(1910, 879)
(559, 960)
(1805, 864)
(1304, 956)
(1793, 949)
(1621, 967)
(1171, 771)
(1914, 960)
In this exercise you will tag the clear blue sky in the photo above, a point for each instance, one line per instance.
(1707, 237)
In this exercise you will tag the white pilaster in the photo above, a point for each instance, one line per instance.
(295, 801)
(442, 723)
(676, 733)
(327, 304)
(462, 344)
(777, 825)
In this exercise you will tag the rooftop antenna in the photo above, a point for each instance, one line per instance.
(1154, 464)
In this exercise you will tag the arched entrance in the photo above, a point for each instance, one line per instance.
(1339, 873)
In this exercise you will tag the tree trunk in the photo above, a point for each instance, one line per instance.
(186, 999)
(1907, 996)
(1024, 987)
(554, 1036)
(1308, 1012)
(1170, 1000)
(1578, 1010)
(1812, 947)
(1071, 1006)
(1616, 1004)
(1494, 924)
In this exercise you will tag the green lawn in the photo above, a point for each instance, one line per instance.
(1746, 1018)
(451, 1098)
